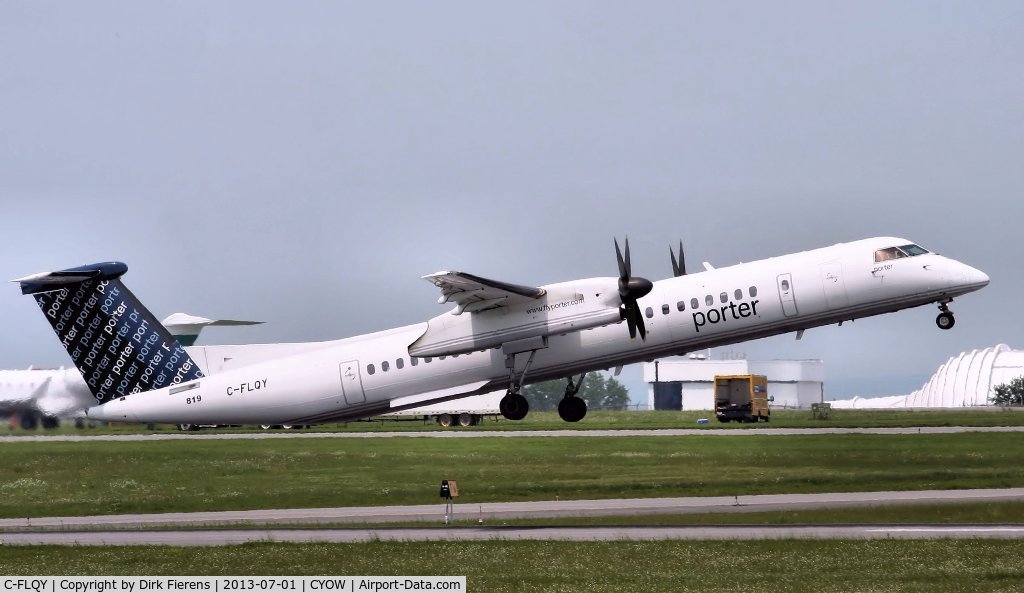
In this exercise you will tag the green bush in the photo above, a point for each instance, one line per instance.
(1009, 394)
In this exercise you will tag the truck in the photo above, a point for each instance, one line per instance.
(743, 398)
(465, 411)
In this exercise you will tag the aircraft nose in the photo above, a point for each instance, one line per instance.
(975, 276)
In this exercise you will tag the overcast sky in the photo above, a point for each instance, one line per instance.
(304, 163)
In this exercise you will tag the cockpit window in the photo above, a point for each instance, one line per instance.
(913, 250)
(897, 252)
(888, 254)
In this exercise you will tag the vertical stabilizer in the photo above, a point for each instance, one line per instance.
(116, 343)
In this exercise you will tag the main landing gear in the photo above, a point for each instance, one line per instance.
(945, 320)
(572, 408)
(514, 406)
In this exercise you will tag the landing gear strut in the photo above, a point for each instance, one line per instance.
(572, 408)
(514, 406)
(945, 320)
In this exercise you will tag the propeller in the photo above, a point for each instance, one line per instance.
(631, 289)
(678, 265)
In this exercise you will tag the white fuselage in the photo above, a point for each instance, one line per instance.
(374, 373)
(51, 392)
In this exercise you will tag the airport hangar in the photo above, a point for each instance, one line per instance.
(965, 380)
(688, 383)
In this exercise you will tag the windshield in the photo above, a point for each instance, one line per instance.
(890, 253)
(913, 250)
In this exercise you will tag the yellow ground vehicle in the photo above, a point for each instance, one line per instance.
(743, 398)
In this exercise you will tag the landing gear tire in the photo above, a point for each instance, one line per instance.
(444, 420)
(514, 406)
(572, 409)
(187, 427)
(466, 420)
(945, 320)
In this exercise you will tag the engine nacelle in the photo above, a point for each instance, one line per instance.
(565, 308)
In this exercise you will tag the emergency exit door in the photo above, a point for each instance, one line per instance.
(352, 383)
(785, 282)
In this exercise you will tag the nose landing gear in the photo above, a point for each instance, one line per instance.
(945, 320)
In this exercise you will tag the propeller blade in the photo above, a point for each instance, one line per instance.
(629, 266)
(640, 325)
(630, 290)
(623, 274)
(630, 323)
(678, 265)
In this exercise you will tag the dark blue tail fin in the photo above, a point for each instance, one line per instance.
(116, 343)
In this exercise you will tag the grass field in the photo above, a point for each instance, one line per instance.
(615, 567)
(602, 419)
(77, 478)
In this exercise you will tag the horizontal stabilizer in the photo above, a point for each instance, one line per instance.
(48, 281)
(186, 328)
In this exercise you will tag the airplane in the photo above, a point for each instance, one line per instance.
(498, 335)
(44, 396)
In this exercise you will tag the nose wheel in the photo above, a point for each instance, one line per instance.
(945, 320)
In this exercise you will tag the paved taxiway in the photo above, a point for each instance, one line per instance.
(738, 532)
(469, 434)
(514, 510)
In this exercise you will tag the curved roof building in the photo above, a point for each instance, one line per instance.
(968, 379)
(964, 380)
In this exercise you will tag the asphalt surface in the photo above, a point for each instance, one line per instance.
(469, 434)
(491, 512)
(732, 532)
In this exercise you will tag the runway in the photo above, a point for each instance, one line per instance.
(499, 511)
(469, 434)
(220, 537)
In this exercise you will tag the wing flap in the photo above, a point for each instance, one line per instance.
(474, 293)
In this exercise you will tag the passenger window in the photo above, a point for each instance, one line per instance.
(738, 294)
(752, 291)
(370, 369)
(681, 306)
(384, 366)
(427, 359)
(694, 303)
(709, 300)
(400, 363)
(650, 312)
(414, 361)
(664, 309)
(785, 285)
(440, 357)
(724, 297)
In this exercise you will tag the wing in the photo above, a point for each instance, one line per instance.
(473, 293)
